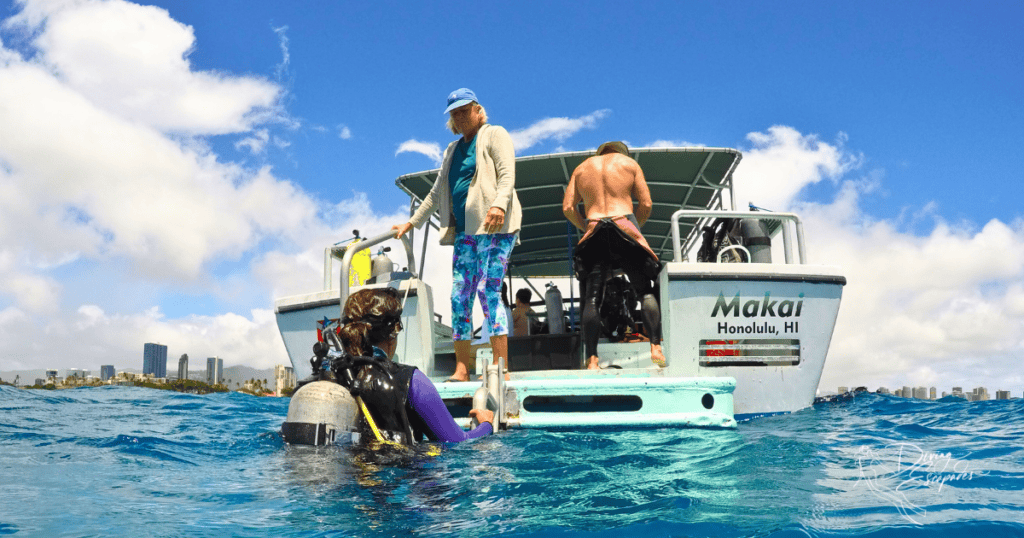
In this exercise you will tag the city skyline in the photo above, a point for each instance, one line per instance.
(931, 393)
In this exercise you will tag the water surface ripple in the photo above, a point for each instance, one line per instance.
(120, 461)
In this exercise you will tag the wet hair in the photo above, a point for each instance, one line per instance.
(371, 317)
(451, 124)
(524, 295)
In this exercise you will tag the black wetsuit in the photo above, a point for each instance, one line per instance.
(607, 250)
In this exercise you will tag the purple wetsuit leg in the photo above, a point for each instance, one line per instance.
(427, 403)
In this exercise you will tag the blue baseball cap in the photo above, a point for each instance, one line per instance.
(460, 97)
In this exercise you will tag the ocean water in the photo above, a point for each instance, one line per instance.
(122, 461)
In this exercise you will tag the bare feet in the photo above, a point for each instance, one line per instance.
(464, 360)
(461, 373)
(657, 357)
(592, 363)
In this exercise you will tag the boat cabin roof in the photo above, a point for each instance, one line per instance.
(678, 178)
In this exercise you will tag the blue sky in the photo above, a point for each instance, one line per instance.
(260, 131)
(923, 88)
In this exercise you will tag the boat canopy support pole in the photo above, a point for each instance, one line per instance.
(350, 252)
(532, 287)
(414, 204)
(423, 251)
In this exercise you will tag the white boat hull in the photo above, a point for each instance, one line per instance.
(769, 330)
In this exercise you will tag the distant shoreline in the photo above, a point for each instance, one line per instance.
(187, 387)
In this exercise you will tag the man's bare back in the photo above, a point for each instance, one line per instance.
(607, 185)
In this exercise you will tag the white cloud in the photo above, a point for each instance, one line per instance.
(132, 61)
(941, 309)
(282, 38)
(92, 182)
(32, 292)
(783, 162)
(101, 338)
(662, 143)
(344, 132)
(254, 143)
(431, 149)
(558, 129)
(95, 181)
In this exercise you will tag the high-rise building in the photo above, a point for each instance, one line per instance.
(1002, 395)
(284, 378)
(921, 393)
(907, 392)
(214, 370)
(931, 393)
(980, 394)
(107, 372)
(76, 373)
(183, 367)
(844, 390)
(154, 360)
(883, 390)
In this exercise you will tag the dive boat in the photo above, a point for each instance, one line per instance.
(743, 335)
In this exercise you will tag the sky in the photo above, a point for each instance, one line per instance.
(168, 169)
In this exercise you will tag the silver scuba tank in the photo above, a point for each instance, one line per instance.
(381, 263)
(757, 240)
(553, 304)
(321, 413)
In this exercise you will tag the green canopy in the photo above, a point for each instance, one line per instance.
(679, 178)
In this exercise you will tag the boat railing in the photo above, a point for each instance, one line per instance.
(789, 221)
(351, 250)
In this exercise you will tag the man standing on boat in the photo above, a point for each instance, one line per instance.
(607, 183)
(475, 197)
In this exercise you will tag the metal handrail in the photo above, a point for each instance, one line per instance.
(350, 252)
(785, 218)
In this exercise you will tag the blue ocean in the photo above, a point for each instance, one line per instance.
(124, 461)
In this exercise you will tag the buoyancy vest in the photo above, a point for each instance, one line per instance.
(383, 386)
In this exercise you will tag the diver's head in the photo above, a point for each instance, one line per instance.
(372, 317)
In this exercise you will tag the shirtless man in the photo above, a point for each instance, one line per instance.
(607, 183)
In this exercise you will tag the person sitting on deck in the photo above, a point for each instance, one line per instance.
(607, 183)
(521, 313)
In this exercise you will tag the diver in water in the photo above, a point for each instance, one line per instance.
(400, 398)
(612, 243)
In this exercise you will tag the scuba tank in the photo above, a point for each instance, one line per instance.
(321, 413)
(553, 304)
(757, 240)
(381, 264)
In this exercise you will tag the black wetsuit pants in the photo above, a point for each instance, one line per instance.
(593, 326)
